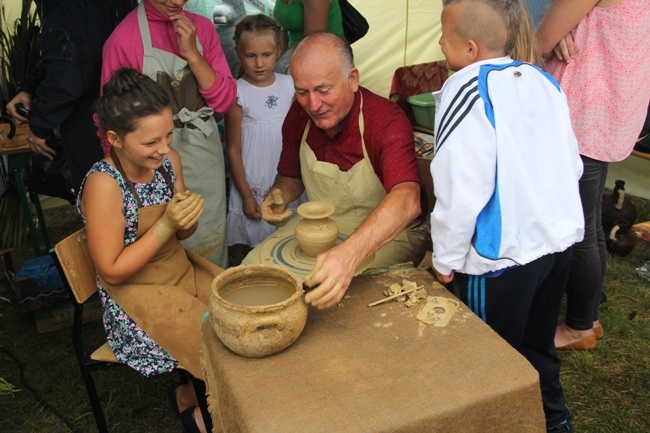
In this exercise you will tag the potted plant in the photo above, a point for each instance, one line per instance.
(20, 48)
(20, 51)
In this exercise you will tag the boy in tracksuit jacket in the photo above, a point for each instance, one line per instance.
(505, 171)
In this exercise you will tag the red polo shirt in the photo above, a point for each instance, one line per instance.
(387, 133)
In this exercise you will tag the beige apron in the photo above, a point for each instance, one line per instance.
(355, 194)
(197, 140)
(168, 297)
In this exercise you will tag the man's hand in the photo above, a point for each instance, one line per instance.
(38, 145)
(274, 209)
(23, 98)
(331, 277)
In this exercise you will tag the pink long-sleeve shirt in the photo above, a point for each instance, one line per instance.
(124, 49)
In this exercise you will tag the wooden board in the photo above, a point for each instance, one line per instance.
(18, 144)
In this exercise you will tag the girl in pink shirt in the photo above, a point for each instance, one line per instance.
(181, 51)
(124, 49)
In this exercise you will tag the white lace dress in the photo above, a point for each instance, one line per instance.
(263, 111)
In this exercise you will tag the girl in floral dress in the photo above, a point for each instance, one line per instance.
(136, 209)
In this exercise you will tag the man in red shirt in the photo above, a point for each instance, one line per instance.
(348, 146)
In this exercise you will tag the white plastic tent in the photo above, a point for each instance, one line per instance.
(402, 32)
(406, 32)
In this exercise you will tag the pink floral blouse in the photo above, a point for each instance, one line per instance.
(608, 82)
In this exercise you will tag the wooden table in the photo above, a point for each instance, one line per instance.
(379, 369)
(19, 156)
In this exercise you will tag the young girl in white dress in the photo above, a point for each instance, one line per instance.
(254, 131)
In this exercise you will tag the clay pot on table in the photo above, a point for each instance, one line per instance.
(257, 310)
(620, 240)
(616, 207)
(316, 231)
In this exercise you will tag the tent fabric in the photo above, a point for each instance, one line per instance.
(402, 32)
(414, 80)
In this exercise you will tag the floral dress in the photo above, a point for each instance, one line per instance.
(130, 343)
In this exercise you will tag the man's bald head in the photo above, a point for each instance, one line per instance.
(324, 47)
(325, 79)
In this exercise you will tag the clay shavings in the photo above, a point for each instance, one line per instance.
(408, 292)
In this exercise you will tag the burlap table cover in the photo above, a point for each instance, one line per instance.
(379, 369)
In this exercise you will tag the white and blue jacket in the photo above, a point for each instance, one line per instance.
(505, 170)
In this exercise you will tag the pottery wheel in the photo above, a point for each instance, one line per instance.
(285, 251)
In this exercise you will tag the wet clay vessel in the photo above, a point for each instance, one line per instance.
(316, 231)
(257, 330)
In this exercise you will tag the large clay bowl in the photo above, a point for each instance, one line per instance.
(257, 331)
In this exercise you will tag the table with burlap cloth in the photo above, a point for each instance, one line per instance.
(379, 369)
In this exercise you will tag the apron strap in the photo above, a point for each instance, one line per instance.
(167, 177)
(119, 167)
(145, 34)
(162, 170)
(362, 126)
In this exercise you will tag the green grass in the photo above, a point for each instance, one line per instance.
(51, 392)
(608, 389)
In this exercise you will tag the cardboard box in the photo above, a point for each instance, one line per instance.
(61, 316)
(26, 291)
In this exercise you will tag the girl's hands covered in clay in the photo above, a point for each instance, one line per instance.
(184, 210)
(274, 209)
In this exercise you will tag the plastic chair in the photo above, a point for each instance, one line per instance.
(78, 272)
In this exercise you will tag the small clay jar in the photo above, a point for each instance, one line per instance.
(257, 329)
(617, 206)
(620, 240)
(316, 231)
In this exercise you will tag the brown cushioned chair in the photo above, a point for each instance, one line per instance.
(416, 79)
